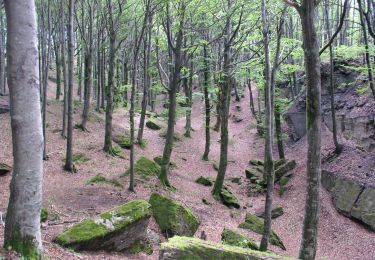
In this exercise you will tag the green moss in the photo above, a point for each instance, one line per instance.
(43, 215)
(204, 181)
(153, 125)
(124, 142)
(284, 181)
(92, 233)
(101, 179)
(159, 159)
(172, 217)
(115, 151)
(256, 225)
(228, 199)
(145, 168)
(187, 248)
(24, 245)
(256, 162)
(230, 237)
(79, 158)
(141, 246)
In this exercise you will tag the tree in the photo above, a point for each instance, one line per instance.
(307, 11)
(22, 229)
(69, 141)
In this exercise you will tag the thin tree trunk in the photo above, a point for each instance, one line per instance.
(69, 141)
(207, 104)
(22, 228)
(65, 75)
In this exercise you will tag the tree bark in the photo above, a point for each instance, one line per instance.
(69, 141)
(206, 103)
(22, 228)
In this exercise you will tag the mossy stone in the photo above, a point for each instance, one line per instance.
(284, 169)
(159, 159)
(172, 217)
(249, 174)
(230, 237)
(256, 162)
(228, 199)
(256, 225)
(188, 248)
(176, 136)
(204, 181)
(107, 231)
(276, 212)
(145, 168)
(153, 125)
(101, 179)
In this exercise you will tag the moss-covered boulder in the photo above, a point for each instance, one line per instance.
(124, 142)
(153, 125)
(284, 169)
(250, 173)
(159, 159)
(204, 181)
(256, 162)
(4, 169)
(194, 248)
(228, 199)
(256, 225)
(233, 238)
(276, 212)
(118, 229)
(145, 168)
(172, 217)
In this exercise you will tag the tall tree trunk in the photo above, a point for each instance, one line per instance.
(69, 141)
(331, 81)
(173, 85)
(22, 228)
(206, 103)
(88, 71)
(307, 11)
(65, 75)
(109, 92)
(2, 56)
(268, 160)
(58, 67)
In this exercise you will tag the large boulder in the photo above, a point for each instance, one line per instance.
(229, 199)
(153, 125)
(351, 198)
(172, 217)
(283, 169)
(118, 229)
(4, 169)
(256, 225)
(233, 238)
(194, 248)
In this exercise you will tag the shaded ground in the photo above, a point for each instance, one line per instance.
(68, 196)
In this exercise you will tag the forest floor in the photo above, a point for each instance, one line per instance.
(68, 196)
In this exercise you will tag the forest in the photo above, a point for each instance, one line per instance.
(187, 129)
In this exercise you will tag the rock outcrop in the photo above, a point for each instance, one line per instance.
(352, 199)
(256, 225)
(193, 248)
(172, 217)
(233, 238)
(145, 168)
(118, 229)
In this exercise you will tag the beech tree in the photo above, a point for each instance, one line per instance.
(22, 227)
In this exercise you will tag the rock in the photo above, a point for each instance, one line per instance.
(236, 180)
(237, 118)
(145, 168)
(159, 159)
(172, 217)
(276, 212)
(256, 162)
(4, 169)
(238, 108)
(278, 163)
(284, 169)
(215, 166)
(364, 208)
(228, 199)
(256, 225)
(350, 198)
(153, 125)
(232, 238)
(4, 106)
(194, 248)
(204, 181)
(124, 142)
(176, 136)
(250, 174)
(118, 229)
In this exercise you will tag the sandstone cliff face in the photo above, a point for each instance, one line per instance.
(354, 105)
